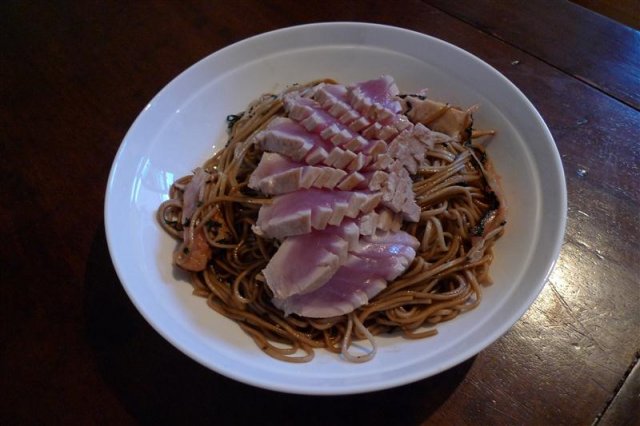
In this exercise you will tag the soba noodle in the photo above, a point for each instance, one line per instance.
(444, 280)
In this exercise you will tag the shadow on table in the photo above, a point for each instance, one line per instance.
(157, 384)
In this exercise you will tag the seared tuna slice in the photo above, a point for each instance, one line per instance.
(376, 99)
(277, 174)
(301, 211)
(352, 286)
(304, 263)
(378, 259)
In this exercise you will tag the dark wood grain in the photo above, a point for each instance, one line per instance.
(626, 401)
(75, 351)
(624, 11)
(594, 49)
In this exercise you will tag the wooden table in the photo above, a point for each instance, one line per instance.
(75, 351)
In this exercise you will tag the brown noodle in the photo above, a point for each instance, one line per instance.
(444, 280)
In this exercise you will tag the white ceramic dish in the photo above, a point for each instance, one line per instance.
(185, 123)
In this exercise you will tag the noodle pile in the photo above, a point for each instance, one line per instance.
(444, 280)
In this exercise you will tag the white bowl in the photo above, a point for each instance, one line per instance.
(185, 123)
